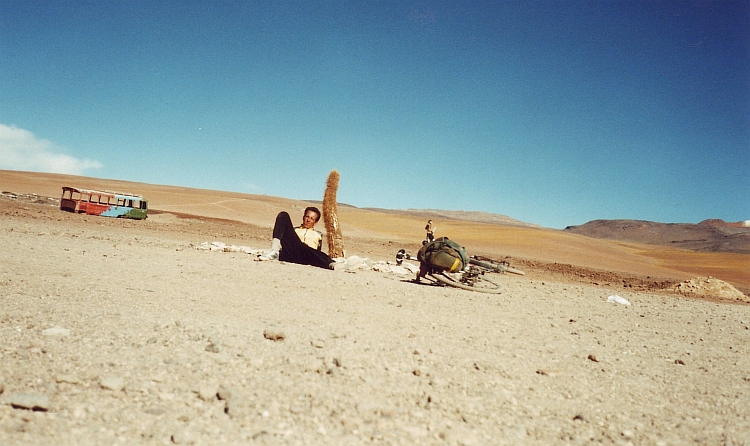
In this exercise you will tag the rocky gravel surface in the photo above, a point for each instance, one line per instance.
(115, 332)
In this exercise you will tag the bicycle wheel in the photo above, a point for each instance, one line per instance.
(480, 283)
(496, 266)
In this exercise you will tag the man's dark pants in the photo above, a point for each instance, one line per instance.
(292, 248)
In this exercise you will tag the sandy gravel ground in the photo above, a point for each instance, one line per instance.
(157, 342)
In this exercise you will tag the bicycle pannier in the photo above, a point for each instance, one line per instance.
(444, 255)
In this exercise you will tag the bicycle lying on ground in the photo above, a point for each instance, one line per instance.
(472, 277)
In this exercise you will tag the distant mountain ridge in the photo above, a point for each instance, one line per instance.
(472, 216)
(713, 235)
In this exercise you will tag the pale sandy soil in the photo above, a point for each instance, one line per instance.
(159, 331)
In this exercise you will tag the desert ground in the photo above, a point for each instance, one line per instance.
(137, 332)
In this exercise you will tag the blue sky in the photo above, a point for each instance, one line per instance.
(551, 112)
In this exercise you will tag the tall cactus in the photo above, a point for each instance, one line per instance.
(331, 218)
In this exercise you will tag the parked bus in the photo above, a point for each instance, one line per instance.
(107, 204)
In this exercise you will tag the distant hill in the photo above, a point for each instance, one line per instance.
(472, 216)
(707, 236)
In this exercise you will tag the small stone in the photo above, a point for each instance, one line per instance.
(593, 358)
(208, 393)
(166, 396)
(56, 331)
(679, 362)
(437, 382)
(274, 334)
(112, 383)
(462, 436)
(225, 392)
(70, 379)
(183, 436)
(28, 401)
(231, 408)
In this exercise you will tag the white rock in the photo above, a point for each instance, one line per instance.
(401, 270)
(112, 383)
(618, 300)
(381, 267)
(355, 262)
(411, 267)
(56, 331)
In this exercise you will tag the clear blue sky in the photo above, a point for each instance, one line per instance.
(551, 112)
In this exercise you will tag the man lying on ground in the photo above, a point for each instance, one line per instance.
(300, 245)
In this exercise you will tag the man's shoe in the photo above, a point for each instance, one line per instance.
(268, 255)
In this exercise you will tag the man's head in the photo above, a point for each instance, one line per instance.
(311, 216)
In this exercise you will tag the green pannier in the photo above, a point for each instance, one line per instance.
(444, 255)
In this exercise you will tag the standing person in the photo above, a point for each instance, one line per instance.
(430, 231)
(300, 245)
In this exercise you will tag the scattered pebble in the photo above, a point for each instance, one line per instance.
(274, 334)
(208, 392)
(28, 401)
(112, 383)
(225, 392)
(155, 411)
(56, 331)
(183, 436)
(70, 379)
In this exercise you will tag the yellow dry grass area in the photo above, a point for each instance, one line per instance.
(733, 268)
(361, 222)
(547, 245)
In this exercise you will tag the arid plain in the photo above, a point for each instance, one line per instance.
(124, 332)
